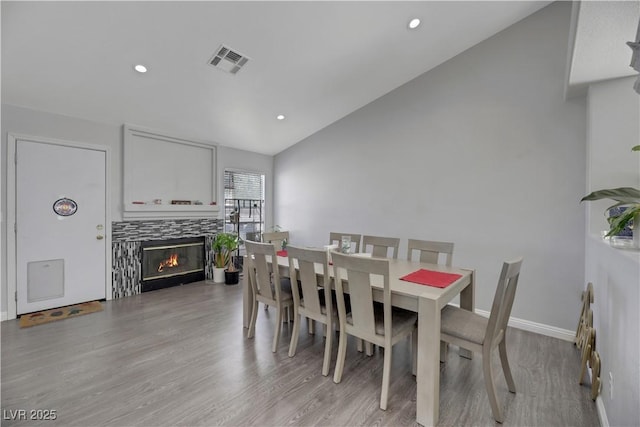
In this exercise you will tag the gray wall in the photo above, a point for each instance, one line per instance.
(482, 151)
(25, 121)
(613, 128)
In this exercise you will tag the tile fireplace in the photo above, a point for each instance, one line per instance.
(128, 237)
(172, 262)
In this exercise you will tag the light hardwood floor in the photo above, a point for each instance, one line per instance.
(179, 356)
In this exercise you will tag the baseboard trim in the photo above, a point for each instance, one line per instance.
(3, 316)
(538, 328)
(602, 412)
(600, 409)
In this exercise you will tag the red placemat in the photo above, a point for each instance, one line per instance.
(282, 253)
(438, 279)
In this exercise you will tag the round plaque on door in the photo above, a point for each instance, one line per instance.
(65, 207)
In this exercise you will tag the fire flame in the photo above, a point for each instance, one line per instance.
(172, 261)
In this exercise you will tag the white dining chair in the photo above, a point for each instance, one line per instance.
(279, 239)
(477, 333)
(266, 285)
(335, 237)
(383, 326)
(430, 251)
(308, 301)
(380, 246)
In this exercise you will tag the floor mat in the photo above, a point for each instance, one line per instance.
(46, 316)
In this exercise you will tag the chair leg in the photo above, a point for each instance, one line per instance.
(342, 350)
(505, 366)
(294, 334)
(444, 350)
(414, 351)
(359, 345)
(327, 352)
(311, 326)
(369, 348)
(490, 386)
(386, 373)
(276, 337)
(252, 324)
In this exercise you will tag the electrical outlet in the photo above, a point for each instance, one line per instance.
(611, 385)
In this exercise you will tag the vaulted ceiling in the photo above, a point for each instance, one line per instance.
(313, 62)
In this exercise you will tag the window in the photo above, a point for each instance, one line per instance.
(244, 204)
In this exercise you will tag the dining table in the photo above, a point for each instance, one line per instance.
(425, 300)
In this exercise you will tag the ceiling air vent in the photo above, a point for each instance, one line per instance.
(229, 60)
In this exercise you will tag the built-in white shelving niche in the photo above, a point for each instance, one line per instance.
(159, 168)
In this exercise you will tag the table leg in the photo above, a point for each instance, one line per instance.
(247, 297)
(467, 302)
(428, 374)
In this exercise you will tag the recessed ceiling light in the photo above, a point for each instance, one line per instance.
(413, 24)
(140, 68)
(280, 117)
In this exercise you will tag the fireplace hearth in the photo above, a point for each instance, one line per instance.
(172, 262)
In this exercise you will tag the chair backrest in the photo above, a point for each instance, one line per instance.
(503, 300)
(276, 238)
(305, 274)
(381, 246)
(357, 273)
(337, 237)
(260, 270)
(254, 236)
(430, 251)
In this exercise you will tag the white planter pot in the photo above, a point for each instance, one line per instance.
(218, 275)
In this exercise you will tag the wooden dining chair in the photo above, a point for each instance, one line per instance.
(266, 285)
(381, 245)
(308, 300)
(383, 326)
(477, 333)
(430, 251)
(279, 239)
(337, 237)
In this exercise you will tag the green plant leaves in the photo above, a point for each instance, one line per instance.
(223, 245)
(624, 195)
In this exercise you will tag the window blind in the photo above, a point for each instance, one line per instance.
(243, 185)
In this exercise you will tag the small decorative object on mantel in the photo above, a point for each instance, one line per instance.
(181, 202)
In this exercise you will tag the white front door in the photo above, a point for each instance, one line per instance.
(60, 225)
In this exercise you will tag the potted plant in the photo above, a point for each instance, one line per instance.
(228, 242)
(625, 213)
(220, 257)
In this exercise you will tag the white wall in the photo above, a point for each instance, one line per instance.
(482, 151)
(613, 128)
(25, 121)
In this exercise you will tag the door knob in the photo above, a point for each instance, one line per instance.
(99, 237)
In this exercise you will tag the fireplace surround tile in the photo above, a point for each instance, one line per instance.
(126, 247)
